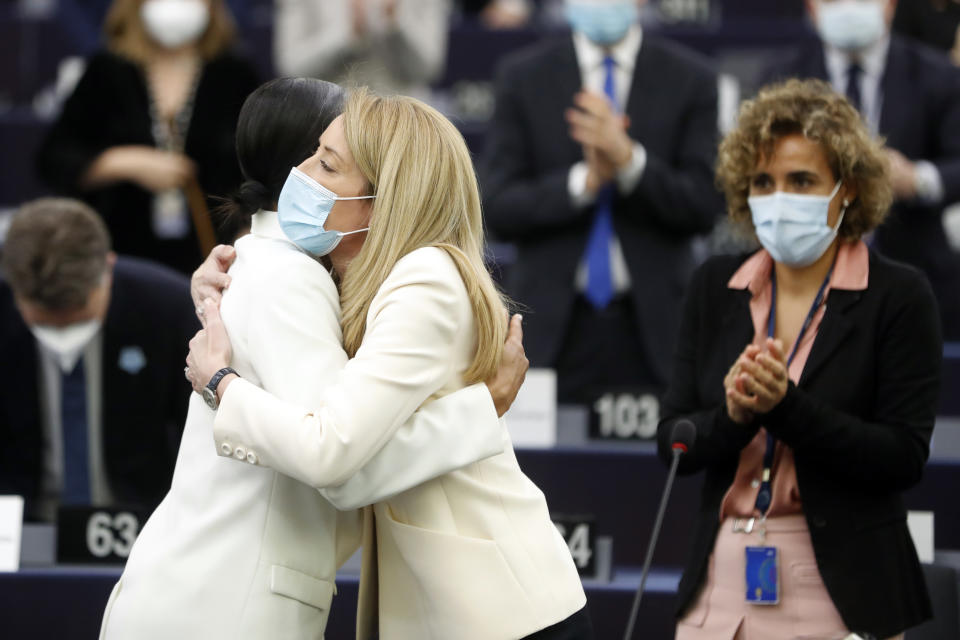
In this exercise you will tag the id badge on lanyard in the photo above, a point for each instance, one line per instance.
(763, 562)
(763, 575)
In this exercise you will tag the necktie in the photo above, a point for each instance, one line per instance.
(76, 465)
(599, 279)
(854, 74)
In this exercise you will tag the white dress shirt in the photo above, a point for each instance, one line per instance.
(873, 61)
(51, 375)
(590, 58)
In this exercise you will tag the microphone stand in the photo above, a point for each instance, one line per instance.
(678, 450)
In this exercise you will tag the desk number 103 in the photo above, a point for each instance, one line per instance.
(627, 416)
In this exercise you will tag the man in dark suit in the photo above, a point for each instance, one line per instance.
(92, 394)
(599, 167)
(910, 95)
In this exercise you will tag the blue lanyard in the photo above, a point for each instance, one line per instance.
(765, 496)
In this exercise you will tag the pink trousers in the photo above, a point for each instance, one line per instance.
(805, 611)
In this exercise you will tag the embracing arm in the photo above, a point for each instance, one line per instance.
(445, 435)
(295, 347)
(294, 343)
(405, 358)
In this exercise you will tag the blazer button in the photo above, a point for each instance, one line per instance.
(240, 453)
(226, 449)
(252, 458)
(819, 522)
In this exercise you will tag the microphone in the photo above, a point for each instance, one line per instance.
(683, 433)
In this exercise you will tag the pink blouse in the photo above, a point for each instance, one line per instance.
(850, 272)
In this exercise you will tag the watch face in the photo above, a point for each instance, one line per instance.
(210, 397)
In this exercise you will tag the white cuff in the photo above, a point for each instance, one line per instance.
(630, 175)
(928, 182)
(577, 186)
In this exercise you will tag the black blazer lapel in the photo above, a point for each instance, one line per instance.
(834, 329)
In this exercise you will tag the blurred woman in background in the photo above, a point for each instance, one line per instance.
(153, 113)
(811, 371)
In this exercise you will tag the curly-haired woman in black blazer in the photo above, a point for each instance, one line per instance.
(811, 371)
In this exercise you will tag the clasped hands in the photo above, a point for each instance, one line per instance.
(757, 381)
(602, 132)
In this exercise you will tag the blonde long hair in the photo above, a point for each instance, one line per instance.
(417, 164)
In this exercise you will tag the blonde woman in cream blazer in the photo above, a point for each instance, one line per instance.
(237, 549)
(472, 554)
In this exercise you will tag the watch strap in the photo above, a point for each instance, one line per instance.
(218, 376)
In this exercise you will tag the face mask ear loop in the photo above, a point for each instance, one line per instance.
(843, 211)
(836, 189)
(846, 203)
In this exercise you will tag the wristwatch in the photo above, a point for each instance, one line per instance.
(210, 391)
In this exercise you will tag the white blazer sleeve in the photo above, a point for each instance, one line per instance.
(443, 436)
(406, 357)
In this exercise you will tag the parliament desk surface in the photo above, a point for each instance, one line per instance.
(618, 486)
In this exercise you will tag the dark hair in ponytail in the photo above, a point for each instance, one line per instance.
(279, 126)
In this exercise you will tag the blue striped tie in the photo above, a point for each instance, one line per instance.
(599, 279)
(76, 451)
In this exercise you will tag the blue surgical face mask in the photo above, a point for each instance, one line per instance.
(851, 25)
(604, 23)
(793, 227)
(303, 207)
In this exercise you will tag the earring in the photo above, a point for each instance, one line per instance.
(846, 203)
